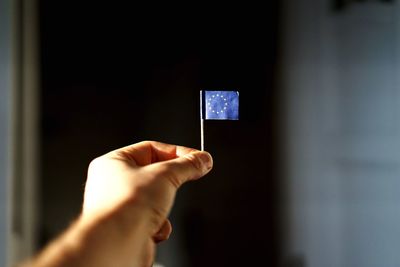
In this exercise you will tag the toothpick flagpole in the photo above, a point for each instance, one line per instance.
(201, 121)
(202, 134)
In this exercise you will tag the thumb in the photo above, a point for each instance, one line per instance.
(178, 171)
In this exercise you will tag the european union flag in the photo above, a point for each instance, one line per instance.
(220, 105)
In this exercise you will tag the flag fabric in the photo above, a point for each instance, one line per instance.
(219, 105)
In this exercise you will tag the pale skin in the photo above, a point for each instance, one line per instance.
(129, 194)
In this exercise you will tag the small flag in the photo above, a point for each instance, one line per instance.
(219, 105)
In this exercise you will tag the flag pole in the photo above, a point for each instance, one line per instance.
(201, 121)
(202, 133)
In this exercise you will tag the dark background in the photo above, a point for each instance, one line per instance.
(115, 74)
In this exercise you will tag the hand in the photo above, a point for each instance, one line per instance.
(141, 181)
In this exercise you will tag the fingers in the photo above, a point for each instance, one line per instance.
(147, 152)
(187, 167)
(164, 232)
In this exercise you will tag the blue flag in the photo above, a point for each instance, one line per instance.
(219, 105)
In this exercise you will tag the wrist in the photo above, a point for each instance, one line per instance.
(99, 239)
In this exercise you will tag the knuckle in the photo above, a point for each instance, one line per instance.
(194, 161)
(95, 163)
(145, 142)
(171, 176)
(123, 156)
(158, 216)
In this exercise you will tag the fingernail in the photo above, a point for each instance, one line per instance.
(206, 159)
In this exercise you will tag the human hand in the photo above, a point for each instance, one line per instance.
(140, 181)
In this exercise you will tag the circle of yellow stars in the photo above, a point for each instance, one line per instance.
(213, 98)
